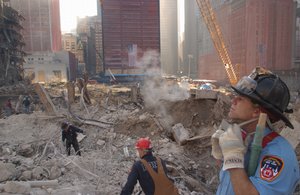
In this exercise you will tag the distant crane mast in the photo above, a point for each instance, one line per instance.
(217, 38)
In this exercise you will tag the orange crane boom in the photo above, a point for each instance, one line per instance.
(217, 38)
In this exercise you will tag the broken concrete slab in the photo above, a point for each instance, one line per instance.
(17, 187)
(80, 137)
(180, 134)
(23, 187)
(26, 175)
(25, 150)
(38, 173)
(55, 172)
(7, 171)
(100, 142)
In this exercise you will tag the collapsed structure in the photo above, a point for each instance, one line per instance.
(33, 159)
(11, 46)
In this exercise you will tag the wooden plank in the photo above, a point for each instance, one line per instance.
(71, 92)
(134, 94)
(45, 99)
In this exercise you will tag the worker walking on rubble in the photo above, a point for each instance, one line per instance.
(276, 168)
(8, 109)
(69, 137)
(26, 104)
(150, 171)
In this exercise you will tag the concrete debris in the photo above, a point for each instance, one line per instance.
(25, 150)
(206, 94)
(26, 175)
(17, 187)
(100, 142)
(180, 133)
(7, 171)
(33, 159)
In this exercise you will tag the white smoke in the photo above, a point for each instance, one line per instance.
(155, 86)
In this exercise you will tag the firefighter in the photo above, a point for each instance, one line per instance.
(276, 169)
(150, 171)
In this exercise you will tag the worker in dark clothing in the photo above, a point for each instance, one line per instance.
(69, 137)
(26, 104)
(8, 109)
(149, 171)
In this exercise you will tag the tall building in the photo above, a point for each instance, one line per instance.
(169, 36)
(90, 39)
(256, 32)
(131, 31)
(99, 13)
(191, 28)
(297, 37)
(69, 42)
(42, 24)
(96, 24)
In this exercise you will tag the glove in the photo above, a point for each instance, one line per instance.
(216, 151)
(233, 148)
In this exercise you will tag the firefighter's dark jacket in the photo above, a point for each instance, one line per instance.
(139, 173)
(71, 134)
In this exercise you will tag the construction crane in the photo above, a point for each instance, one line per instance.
(217, 38)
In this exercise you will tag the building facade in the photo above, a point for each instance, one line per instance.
(169, 36)
(92, 27)
(87, 50)
(190, 50)
(297, 37)
(69, 42)
(46, 67)
(41, 25)
(11, 45)
(256, 33)
(131, 35)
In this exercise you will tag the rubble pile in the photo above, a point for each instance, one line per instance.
(33, 159)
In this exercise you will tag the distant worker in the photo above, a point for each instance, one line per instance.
(26, 104)
(150, 172)
(268, 166)
(69, 137)
(8, 110)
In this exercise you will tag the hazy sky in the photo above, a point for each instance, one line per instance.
(70, 9)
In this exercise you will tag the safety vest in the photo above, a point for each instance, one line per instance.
(163, 185)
